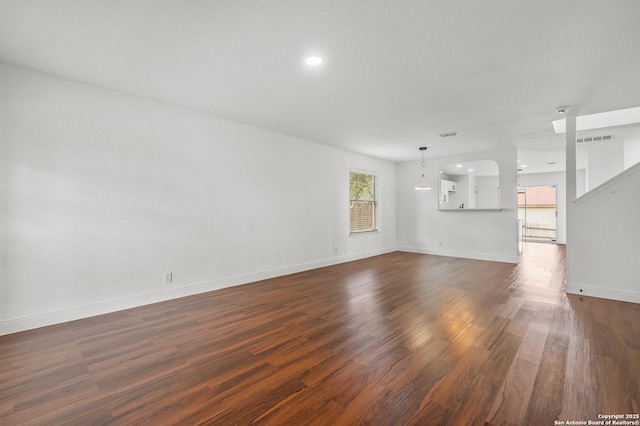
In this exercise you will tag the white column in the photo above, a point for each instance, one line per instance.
(571, 195)
(571, 158)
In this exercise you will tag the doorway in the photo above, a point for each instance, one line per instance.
(538, 213)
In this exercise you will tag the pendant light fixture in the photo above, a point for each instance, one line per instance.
(422, 186)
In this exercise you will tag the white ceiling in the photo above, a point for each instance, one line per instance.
(396, 73)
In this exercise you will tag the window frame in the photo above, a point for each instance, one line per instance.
(375, 203)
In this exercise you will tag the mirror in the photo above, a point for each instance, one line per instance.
(471, 185)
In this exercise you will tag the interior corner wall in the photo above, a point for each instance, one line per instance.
(484, 235)
(558, 179)
(102, 193)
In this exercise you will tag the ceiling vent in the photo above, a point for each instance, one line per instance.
(446, 135)
(594, 139)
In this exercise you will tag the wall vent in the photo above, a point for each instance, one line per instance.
(449, 134)
(594, 139)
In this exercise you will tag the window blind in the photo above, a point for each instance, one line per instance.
(363, 202)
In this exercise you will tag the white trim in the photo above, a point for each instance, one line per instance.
(461, 254)
(376, 202)
(470, 210)
(50, 318)
(604, 293)
(363, 233)
(15, 325)
(363, 171)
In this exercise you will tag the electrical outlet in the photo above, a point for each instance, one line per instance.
(440, 244)
(335, 251)
(168, 277)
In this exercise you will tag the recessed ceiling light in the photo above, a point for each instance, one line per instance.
(458, 165)
(470, 170)
(523, 166)
(314, 61)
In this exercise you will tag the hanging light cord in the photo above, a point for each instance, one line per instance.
(421, 185)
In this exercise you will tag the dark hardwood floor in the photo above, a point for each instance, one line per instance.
(395, 339)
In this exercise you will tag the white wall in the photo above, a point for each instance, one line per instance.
(602, 250)
(631, 152)
(461, 195)
(581, 182)
(473, 193)
(604, 161)
(487, 191)
(102, 193)
(558, 179)
(489, 235)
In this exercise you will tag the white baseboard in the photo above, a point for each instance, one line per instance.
(50, 318)
(604, 293)
(463, 254)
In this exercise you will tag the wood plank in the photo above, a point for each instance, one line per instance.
(402, 338)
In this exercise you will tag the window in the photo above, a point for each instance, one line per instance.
(363, 202)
